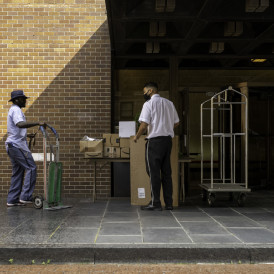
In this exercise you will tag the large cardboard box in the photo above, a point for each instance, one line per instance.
(139, 180)
(92, 148)
(111, 140)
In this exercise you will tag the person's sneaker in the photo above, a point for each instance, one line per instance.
(168, 207)
(15, 204)
(25, 202)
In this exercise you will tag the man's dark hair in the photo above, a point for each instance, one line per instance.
(152, 85)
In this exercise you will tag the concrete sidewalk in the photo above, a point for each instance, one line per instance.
(114, 231)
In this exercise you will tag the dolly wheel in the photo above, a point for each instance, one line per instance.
(38, 202)
(211, 199)
(241, 199)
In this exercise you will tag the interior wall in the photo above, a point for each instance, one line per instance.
(200, 85)
(128, 90)
(261, 137)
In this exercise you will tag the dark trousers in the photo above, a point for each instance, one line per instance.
(158, 167)
(23, 165)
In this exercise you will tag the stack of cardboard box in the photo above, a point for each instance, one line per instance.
(125, 147)
(111, 146)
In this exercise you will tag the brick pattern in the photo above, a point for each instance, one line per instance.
(58, 51)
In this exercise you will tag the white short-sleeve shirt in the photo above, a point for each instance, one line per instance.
(160, 115)
(17, 136)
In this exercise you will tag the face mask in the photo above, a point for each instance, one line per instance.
(146, 97)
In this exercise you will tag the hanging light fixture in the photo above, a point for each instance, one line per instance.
(216, 47)
(256, 5)
(165, 5)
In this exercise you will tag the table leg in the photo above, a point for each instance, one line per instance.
(183, 181)
(182, 188)
(94, 183)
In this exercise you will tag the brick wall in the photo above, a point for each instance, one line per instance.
(58, 51)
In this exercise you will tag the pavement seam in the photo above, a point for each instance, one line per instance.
(261, 225)
(141, 227)
(99, 228)
(225, 228)
(58, 227)
(182, 227)
(6, 235)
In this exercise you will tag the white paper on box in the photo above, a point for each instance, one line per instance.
(141, 193)
(127, 129)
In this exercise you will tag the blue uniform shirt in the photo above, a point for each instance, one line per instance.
(17, 136)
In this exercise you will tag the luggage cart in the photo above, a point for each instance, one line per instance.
(52, 170)
(227, 141)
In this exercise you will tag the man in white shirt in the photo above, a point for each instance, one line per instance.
(17, 148)
(158, 118)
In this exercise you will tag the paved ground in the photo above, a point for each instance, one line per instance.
(144, 268)
(115, 231)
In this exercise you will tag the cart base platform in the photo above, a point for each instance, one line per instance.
(236, 192)
(227, 187)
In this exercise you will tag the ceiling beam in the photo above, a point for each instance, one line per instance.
(135, 5)
(200, 23)
(260, 39)
(198, 40)
(196, 56)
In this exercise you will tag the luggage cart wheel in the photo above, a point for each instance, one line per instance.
(38, 202)
(211, 198)
(241, 199)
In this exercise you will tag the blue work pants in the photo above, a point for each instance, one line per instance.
(22, 165)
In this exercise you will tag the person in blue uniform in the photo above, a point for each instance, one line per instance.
(158, 118)
(23, 177)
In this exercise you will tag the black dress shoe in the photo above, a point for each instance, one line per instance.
(168, 207)
(151, 207)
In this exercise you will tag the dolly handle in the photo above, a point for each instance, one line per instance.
(43, 130)
(54, 131)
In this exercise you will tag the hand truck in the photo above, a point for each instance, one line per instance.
(52, 171)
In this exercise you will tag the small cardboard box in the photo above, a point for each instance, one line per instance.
(124, 142)
(95, 146)
(125, 152)
(111, 140)
(112, 152)
(139, 180)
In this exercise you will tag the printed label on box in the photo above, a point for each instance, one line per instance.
(141, 193)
